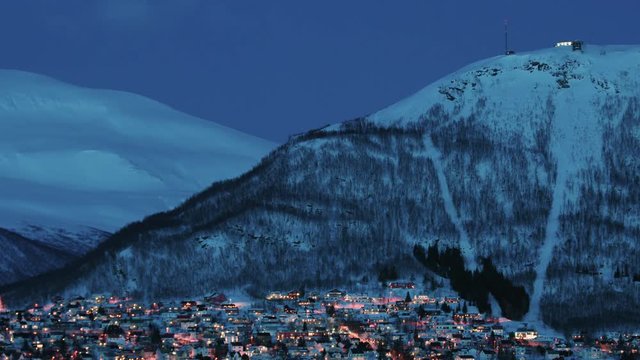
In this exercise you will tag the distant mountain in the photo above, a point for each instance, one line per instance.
(529, 160)
(23, 258)
(77, 163)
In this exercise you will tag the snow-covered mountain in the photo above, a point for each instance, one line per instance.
(76, 163)
(530, 160)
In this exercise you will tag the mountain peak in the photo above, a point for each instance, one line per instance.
(594, 70)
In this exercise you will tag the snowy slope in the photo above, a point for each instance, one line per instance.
(77, 161)
(519, 89)
(529, 160)
(104, 158)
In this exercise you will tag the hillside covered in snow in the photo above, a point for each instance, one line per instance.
(78, 163)
(529, 161)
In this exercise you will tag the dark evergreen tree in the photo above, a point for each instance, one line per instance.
(331, 310)
(445, 307)
(154, 335)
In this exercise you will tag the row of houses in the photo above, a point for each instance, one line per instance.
(400, 321)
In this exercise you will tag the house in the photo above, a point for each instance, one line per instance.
(526, 333)
(335, 294)
(216, 298)
(498, 330)
(448, 326)
(236, 347)
(487, 354)
(263, 338)
(553, 354)
(520, 352)
(402, 285)
(356, 354)
(230, 309)
(575, 45)
(464, 357)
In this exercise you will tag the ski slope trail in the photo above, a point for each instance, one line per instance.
(466, 249)
(576, 135)
(551, 239)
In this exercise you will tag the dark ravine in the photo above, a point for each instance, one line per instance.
(338, 204)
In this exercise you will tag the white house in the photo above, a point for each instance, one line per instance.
(575, 45)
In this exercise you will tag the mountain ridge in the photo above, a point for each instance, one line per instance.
(78, 163)
(516, 136)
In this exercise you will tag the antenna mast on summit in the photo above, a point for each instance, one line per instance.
(506, 37)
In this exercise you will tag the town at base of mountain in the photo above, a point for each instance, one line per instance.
(400, 320)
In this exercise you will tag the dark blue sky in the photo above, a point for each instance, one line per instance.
(274, 68)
